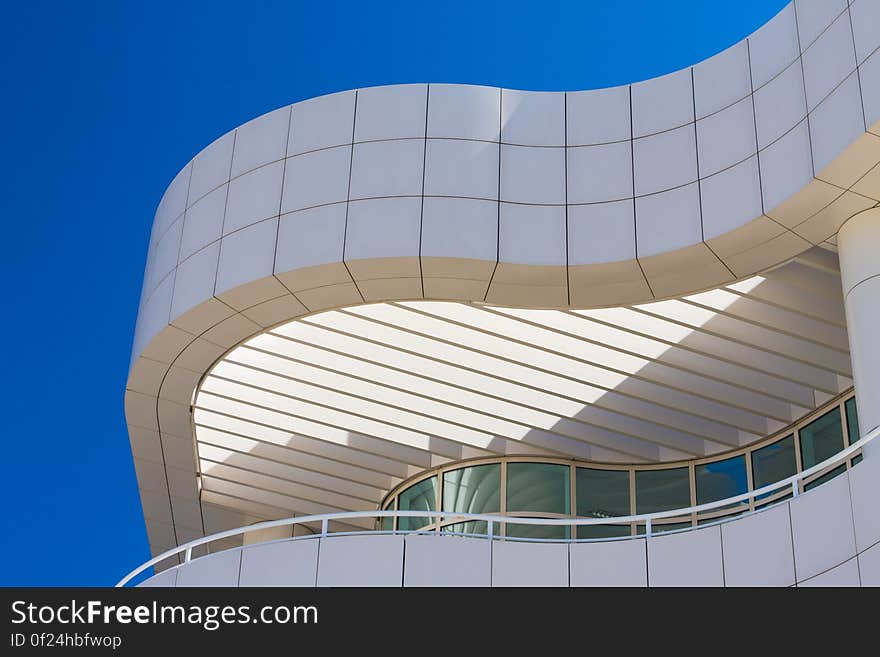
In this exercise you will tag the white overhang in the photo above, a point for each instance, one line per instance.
(328, 412)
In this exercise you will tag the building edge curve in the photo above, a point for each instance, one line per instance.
(242, 241)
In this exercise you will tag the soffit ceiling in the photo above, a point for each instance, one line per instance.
(328, 412)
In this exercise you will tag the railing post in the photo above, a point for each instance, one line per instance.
(324, 528)
(795, 488)
(648, 527)
(489, 530)
(188, 555)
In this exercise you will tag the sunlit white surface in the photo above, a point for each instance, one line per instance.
(330, 411)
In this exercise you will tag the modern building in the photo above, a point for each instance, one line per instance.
(465, 335)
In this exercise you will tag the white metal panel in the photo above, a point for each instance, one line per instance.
(758, 549)
(280, 563)
(361, 561)
(691, 558)
(438, 560)
(517, 563)
(822, 528)
(609, 563)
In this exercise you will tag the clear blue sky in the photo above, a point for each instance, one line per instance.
(103, 102)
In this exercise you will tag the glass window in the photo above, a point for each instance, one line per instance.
(473, 490)
(388, 523)
(662, 490)
(721, 479)
(852, 420)
(667, 527)
(821, 439)
(774, 462)
(604, 531)
(831, 474)
(537, 531)
(602, 494)
(706, 518)
(418, 497)
(852, 426)
(538, 487)
(478, 527)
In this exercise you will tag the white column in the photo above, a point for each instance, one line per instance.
(858, 243)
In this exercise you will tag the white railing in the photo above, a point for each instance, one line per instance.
(793, 482)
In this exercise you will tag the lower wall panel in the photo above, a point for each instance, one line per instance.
(609, 563)
(280, 563)
(811, 540)
(846, 574)
(446, 561)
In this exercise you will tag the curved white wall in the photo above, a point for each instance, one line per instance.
(829, 536)
(609, 196)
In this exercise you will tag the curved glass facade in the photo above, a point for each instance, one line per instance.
(557, 488)
(476, 489)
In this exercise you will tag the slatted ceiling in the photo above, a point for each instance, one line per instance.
(246, 507)
(303, 376)
(727, 352)
(618, 357)
(498, 416)
(809, 305)
(307, 476)
(771, 351)
(331, 411)
(558, 374)
(350, 412)
(757, 312)
(583, 351)
(260, 511)
(443, 381)
(261, 489)
(300, 488)
(396, 419)
(802, 277)
(326, 432)
(262, 435)
(666, 319)
(399, 426)
(813, 340)
(299, 459)
(820, 260)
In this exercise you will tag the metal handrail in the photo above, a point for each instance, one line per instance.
(648, 518)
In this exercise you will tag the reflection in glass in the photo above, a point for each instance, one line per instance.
(821, 439)
(476, 489)
(831, 474)
(659, 529)
(602, 494)
(537, 531)
(707, 519)
(721, 479)
(545, 489)
(852, 420)
(539, 487)
(388, 523)
(662, 490)
(852, 426)
(773, 463)
(418, 497)
(479, 527)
